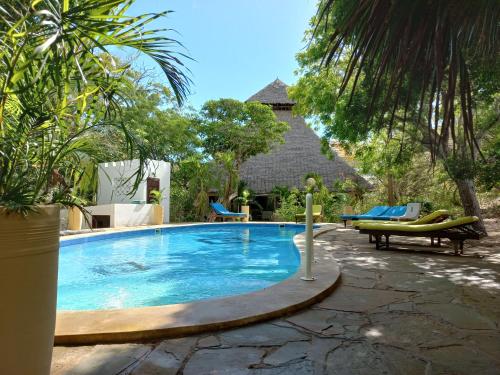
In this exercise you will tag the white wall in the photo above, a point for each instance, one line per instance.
(114, 184)
(122, 214)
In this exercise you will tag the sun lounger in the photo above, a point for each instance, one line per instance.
(317, 209)
(219, 211)
(374, 212)
(435, 217)
(457, 231)
(392, 213)
(411, 213)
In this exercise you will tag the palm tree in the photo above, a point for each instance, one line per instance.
(58, 80)
(420, 56)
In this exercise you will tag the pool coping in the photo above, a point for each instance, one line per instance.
(177, 320)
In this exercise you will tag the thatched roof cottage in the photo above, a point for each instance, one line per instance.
(288, 163)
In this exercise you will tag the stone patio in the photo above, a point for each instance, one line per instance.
(407, 311)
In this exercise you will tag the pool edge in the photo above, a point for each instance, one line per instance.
(170, 321)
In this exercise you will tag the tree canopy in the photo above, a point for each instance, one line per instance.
(232, 131)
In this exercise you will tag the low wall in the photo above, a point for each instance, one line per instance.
(123, 214)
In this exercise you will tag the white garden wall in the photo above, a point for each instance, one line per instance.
(115, 183)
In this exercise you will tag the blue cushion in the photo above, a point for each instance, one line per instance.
(393, 212)
(374, 212)
(221, 210)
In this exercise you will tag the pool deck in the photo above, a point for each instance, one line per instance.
(407, 312)
(177, 320)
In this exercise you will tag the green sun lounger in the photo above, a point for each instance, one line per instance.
(435, 217)
(317, 210)
(457, 231)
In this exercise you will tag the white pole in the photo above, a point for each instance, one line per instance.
(309, 238)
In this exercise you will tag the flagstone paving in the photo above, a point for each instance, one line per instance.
(395, 312)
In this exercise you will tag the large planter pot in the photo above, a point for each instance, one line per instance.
(157, 214)
(29, 249)
(75, 218)
(246, 210)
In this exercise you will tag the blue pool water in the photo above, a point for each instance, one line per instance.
(174, 265)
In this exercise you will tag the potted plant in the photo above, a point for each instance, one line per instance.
(58, 84)
(245, 208)
(156, 198)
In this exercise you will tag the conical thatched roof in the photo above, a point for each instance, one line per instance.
(274, 93)
(287, 164)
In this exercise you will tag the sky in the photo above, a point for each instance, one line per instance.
(238, 46)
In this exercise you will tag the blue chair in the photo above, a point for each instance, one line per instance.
(374, 212)
(222, 212)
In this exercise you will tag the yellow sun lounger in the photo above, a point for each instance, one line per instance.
(435, 217)
(457, 231)
(317, 209)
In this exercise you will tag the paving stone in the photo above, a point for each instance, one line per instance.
(329, 322)
(458, 315)
(415, 282)
(462, 360)
(434, 297)
(409, 330)
(158, 363)
(487, 342)
(64, 358)
(261, 335)
(298, 368)
(109, 359)
(166, 358)
(347, 298)
(288, 352)
(315, 350)
(229, 361)
(358, 277)
(355, 358)
(403, 306)
(402, 362)
(209, 341)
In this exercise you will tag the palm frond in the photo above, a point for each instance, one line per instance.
(418, 55)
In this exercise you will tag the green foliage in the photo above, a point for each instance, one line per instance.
(290, 206)
(332, 202)
(293, 202)
(57, 86)
(232, 131)
(156, 196)
(245, 197)
(280, 192)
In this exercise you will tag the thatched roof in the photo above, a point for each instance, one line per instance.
(274, 93)
(287, 164)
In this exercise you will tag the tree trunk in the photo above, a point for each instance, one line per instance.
(467, 192)
(391, 197)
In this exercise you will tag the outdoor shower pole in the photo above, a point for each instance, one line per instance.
(309, 238)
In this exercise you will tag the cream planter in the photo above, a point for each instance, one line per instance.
(75, 218)
(29, 249)
(157, 214)
(246, 210)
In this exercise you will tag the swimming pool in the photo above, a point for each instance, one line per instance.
(173, 265)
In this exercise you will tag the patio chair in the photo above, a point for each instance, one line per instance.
(374, 212)
(317, 211)
(457, 231)
(219, 211)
